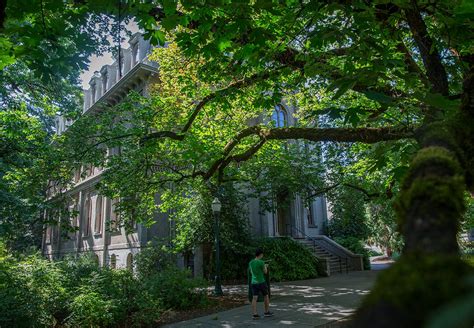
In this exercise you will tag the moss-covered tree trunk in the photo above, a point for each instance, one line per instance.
(430, 272)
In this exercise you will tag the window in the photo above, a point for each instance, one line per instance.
(310, 216)
(98, 214)
(88, 216)
(74, 214)
(113, 261)
(48, 234)
(114, 215)
(130, 262)
(279, 116)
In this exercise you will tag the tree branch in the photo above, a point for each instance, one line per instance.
(431, 58)
(236, 85)
(3, 16)
(365, 135)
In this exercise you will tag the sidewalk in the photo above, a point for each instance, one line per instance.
(306, 303)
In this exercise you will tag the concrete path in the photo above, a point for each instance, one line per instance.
(305, 303)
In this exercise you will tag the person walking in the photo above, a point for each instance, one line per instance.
(258, 269)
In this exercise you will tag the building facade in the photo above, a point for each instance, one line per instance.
(97, 230)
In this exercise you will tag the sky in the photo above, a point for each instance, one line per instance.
(97, 62)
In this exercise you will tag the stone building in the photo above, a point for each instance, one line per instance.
(97, 230)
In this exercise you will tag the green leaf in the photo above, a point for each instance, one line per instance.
(378, 97)
(169, 6)
(170, 22)
(439, 101)
(223, 44)
(399, 172)
(342, 85)
(158, 38)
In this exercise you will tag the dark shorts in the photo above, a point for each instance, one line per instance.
(260, 289)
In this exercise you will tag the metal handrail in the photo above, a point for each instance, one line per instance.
(315, 246)
(304, 234)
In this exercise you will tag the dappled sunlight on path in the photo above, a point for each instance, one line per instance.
(306, 303)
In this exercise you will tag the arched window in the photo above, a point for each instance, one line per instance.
(279, 116)
(130, 262)
(113, 261)
(98, 214)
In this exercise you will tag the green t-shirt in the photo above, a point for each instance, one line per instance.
(256, 269)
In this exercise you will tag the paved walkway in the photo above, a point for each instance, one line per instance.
(305, 303)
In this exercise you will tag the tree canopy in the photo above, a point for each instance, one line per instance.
(394, 76)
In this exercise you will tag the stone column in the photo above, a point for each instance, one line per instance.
(87, 100)
(127, 60)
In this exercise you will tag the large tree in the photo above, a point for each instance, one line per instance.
(379, 71)
(358, 71)
(43, 47)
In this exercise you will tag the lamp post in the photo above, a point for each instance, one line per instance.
(216, 210)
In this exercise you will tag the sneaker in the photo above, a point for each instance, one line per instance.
(255, 317)
(268, 314)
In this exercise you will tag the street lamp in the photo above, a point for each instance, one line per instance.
(216, 210)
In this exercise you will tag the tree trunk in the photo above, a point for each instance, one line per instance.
(430, 273)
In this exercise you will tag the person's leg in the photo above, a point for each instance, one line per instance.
(266, 302)
(254, 304)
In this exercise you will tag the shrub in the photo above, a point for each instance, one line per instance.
(153, 258)
(35, 292)
(176, 289)
(288, 259)
(31, 291)
(91, 309)
(234, 263)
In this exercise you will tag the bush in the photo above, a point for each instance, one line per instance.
(31, 291)
(35, 292)
(153, 258)
(288, 259)
(355, 245)
(176, 289)
(91, 309)
(234, 263)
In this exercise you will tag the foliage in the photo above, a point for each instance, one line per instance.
(77, 293)
(348, 216)
(357, 247)
(369, 72)
(31, 290)
(444, 284)
(383, 226)
(175, 288)
(90, 309)
(457, 313)
(153, 258)
(287, 259)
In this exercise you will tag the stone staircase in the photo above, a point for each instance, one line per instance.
(336, 259)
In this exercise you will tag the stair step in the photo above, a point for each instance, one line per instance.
(335, 263)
